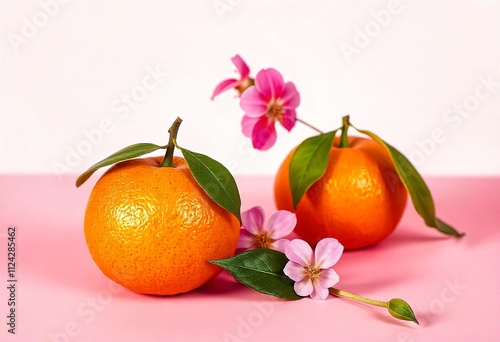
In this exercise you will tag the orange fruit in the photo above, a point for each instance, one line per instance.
(359, 200)
(152, 229)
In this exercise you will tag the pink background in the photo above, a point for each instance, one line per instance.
(451, 284)
(66, 81)
(71, 75)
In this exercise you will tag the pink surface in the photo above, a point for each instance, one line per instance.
(453, 285)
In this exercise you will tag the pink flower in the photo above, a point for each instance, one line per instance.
(243, 83)
(255, 235)
(312, 272)
(270, 100)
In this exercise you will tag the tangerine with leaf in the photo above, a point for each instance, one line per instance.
(351, 188)
(152, 223)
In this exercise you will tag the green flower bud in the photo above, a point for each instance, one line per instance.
(400, 309)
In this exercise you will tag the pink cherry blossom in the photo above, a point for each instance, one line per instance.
(243, 83)
(268, 101)
(312, 272)
(255, 235)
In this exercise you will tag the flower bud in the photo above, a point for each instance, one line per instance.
(400, 309)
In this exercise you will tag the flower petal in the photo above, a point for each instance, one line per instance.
(294, 271)
(246, 240)
(253, 220)
(303, 287)
(242, 67)
(319, 292)
(290, 96)
(281, 223)
(328, 278)
(328, 251)
(300, 252)
(247, 125)
(225, 86)
(288, 119)
(253, 102)
(270, 83)
(264, 134)
(280, 245)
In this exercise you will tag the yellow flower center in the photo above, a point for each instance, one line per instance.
(275, 110)
(263, 241)
(312, 272)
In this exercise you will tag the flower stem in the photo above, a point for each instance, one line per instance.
(344, 141)
(340, 293)
(168, 161)
(310, 126)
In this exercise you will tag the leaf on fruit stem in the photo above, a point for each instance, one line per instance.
(215, 179)
(418, 190)
(261, 270)
(309, 163)
(129, 152)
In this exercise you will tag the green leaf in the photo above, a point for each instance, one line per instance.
(400, 309)
(130, 152)
(261, 270)
(309, 163)
(418, 190)
(215, 179)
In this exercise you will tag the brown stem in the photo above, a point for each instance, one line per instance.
(168, 161)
